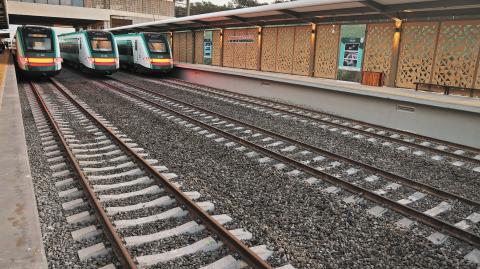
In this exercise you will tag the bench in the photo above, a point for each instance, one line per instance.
(447, 90)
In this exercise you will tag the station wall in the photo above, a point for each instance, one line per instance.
(445, 53)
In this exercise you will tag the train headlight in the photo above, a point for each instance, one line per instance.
(58, 60)
(23, 60)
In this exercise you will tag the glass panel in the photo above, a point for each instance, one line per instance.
(41, 1)
(54, 2)
(101, 44)
(28, 1)
(77, 3)
(157, 46)
(352, 38)
(66, 2)
(38, 42)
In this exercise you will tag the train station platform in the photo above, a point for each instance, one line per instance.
(21, 239)
(430, 114)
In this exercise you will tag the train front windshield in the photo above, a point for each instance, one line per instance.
(37, 40)
(156, 43)
(101, 42)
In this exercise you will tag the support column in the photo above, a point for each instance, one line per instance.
(395, 54)
(259, 48)
(221, 47)
(313, 42)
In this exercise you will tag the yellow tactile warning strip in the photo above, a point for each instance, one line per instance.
(4, 62)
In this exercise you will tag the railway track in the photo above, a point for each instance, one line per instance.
(319, 165)
(400, 140)
(125, 190)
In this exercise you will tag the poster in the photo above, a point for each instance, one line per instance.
(351, 54)
(207, 45)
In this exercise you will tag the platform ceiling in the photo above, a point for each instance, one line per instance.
(3, 15)
(315, 11)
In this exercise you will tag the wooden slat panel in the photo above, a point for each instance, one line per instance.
(176, 47)
(229, 48)
(240, 51)
(182, 56)
(284, 59)
(199, 47)
(217, 46)
(457, 52)
(251, 60)
(269, 48)
(301, 56)
(326, 51)
(417, 48)
(189, 47)
(378, 48)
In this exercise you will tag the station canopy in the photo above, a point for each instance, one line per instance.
(315, 11)
(3, 15)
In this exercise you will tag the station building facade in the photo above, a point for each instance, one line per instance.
(443, 52)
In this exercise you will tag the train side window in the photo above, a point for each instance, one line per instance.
(135, 46)
(80, 42)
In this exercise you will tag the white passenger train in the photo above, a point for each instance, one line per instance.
(91, 51)
(145, 52)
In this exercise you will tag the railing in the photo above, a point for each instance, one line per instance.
(447, 90)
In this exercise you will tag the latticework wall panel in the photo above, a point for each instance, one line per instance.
(417, 49)
(251, 50)
(240, 49)
(176, 47)
(269, 48)
(457, 52)
(378, 48)
(284, 59)
(199, 47)
(228, 48)
(217, 46)
(189, 47)
(326, 51)
(182, 56)
(301, 55)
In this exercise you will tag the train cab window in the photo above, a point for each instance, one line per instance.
(101, 44)
(157, 46)
(38, 42)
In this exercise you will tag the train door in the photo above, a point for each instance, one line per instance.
(136, 54)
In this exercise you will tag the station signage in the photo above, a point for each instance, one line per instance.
(241, 39)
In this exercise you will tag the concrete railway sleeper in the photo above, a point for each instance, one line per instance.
(102, 156)
(455, 151)
(191, 115)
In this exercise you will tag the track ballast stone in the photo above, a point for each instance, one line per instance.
(306, 227)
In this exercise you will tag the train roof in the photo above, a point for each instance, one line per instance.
(85, 31)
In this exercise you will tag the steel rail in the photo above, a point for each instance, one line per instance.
(398, 141)
(117, 243)
(210, 223)
(436, 223)
(436, 140)
(388, 175)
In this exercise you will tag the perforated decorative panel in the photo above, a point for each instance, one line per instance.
(228, 48)
(182, 56)
(286, 36)
(457, 52)
(326, 51)
(251, 50)
(176, 47)
(301, 57)
(217, 46)
(417, 48)
(378, 48)
(199, 47)
(189, 47)
(269, 48)
(240, 49)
